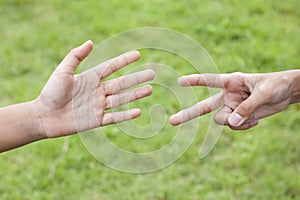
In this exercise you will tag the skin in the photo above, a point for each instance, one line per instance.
(72, 103)
(245, 98)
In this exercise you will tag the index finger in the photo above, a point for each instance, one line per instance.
(209, 80)
(201, 108)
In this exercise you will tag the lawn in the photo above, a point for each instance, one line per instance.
(247, 36)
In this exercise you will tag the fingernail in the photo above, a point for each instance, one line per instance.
(174, 120)
(179, 80)
(234, 119)
(88, 41)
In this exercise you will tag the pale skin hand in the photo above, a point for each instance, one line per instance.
(73, 103)
(245, 98)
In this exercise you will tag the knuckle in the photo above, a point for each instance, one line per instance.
(244, 110)
(135, 95)
(204, 108)
(113, 66)
(117, 86)
(234, 79)
(106, 88)
(237, 74)
(124, 57)
(112, 119)
(74, 53)
(218, 120)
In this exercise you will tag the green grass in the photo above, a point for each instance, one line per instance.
(248, 36)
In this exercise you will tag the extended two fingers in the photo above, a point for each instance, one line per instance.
(206, 106)
(229, 82)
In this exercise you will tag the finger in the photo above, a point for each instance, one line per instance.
(74, 57)
(115, 117)
(246, 109)
(206, 106)
(246, 126)
(116, 85)
(209, 80)
(221, 117)
(107, 68)
(116, 100)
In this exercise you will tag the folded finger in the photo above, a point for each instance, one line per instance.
(221, 117)
(116, 100)
(116, 85)
(246, 125)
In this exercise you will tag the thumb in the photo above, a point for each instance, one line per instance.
(74, 57)
(245, 110)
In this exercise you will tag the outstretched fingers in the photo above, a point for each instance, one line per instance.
(206, 106)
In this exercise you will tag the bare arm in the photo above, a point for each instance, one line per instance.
(245, 98)
(72, 103)
(20, 124)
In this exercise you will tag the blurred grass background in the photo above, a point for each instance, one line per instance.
(247, 36)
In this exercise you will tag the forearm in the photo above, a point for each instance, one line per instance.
(295, 78)
(19, 125)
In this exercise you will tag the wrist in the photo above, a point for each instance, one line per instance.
(37, 131)
(53, 122)
(20, 125)
(295, 84)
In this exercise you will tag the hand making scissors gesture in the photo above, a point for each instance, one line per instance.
(245, 98)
